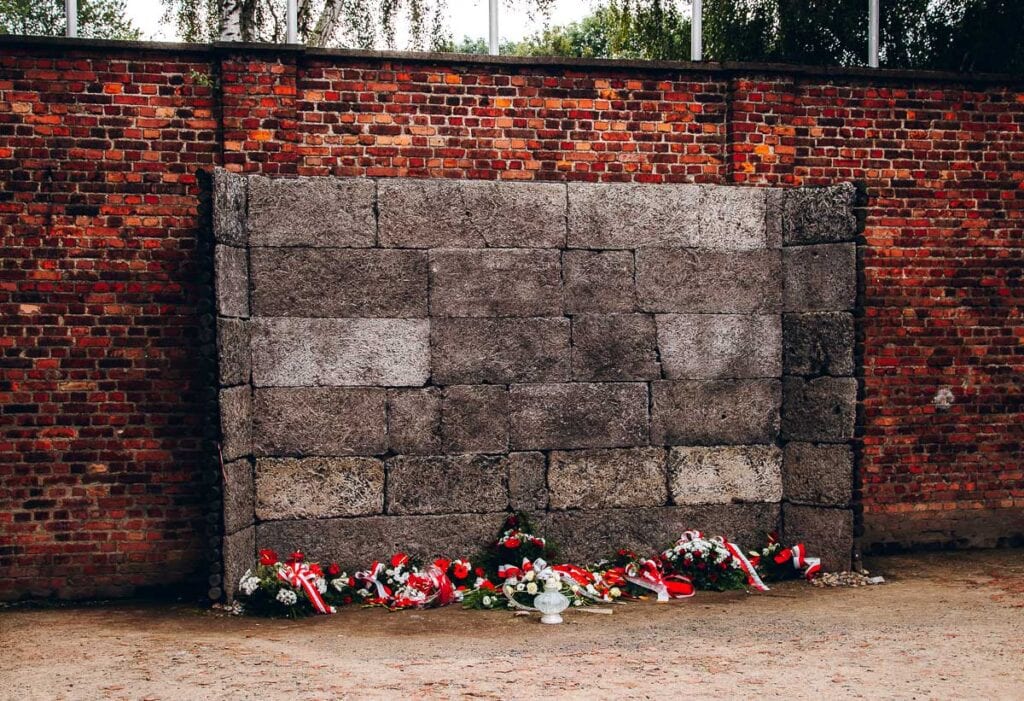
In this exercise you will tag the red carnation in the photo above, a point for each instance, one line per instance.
(479, 571)
(334, 569)
(267, 556)
(315, 569)
(512, 543)
(351, 581)
(487, 584)
(461, 570)
(442, 564)
(296, 556)
(399, 559)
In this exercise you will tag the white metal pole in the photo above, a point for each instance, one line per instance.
(293, 22)
(493, 17)
(696, 33)
(873, 33)
(71, 10)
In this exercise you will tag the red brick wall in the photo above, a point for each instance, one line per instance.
(105, 421)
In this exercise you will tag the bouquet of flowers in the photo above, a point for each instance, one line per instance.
(515, 546)
(291, 588)
(708, 563)
(775, 563)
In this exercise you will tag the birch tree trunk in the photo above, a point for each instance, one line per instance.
(231, 20)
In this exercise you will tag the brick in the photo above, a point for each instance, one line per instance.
(628, 215)
(322, 212)
(527, 482)
(725, 474)
(598, 281)
(607, 479)
(301, 352)
(819, 410)
(827, 533)
(318, 487)
(818, 344)
(229, 194)
(233, 359)
(499, 282)
(714, 412)
(417, 213)
(235, 422)
(339, 282)
(614, 347)
(445, 484)
(324, 421)
(818, 474)
(820, 214)
(731, 217)
(578, 415)
(239, 495)
(720, 346)
(232, 281)
(687, 280)
(820, 278)
(499, 351)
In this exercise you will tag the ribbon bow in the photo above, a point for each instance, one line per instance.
(298, 574)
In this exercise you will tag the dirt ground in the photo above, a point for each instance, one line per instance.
(945, 626)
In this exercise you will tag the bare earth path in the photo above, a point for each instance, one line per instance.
(945, 626)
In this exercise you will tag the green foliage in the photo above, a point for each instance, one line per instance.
(97, 19)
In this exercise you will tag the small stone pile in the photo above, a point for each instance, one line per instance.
(847, 579)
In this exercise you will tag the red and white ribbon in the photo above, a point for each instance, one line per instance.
(753, 579)
(370, 578)
(810, 566)
(648, 575)
(298, 574)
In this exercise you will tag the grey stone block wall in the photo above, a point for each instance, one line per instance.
(404, 361)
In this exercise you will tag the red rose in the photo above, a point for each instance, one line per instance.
(461, 570)
(296, 556)
(512, 543)
(267, 557)
(486, 584)
(442, 564)
(315, 569)
(351, 581)
(479, 572)
(334, 569)
(399, 559)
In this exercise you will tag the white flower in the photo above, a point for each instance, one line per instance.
(530, 576)
(249, 584)
(487, 601)
(615, 592)
(363, 592)
(287, 597)
(531, 588)
(390, 573)
(321, 584)
(520, 586)
(577, 602)
(339, 583)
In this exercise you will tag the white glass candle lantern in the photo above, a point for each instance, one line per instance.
(551, 602)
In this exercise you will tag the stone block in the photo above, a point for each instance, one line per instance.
(318, 487)
(322, 212)
(607, 479)
(820, 214)
(474, 419)
(339, 282)
(818, 474)
(445, 484)
(578, 415)
(326, 421)
(614, 347)
(775, 204)
(290, 352)
(819, 410)
(587, 536)
(527, 482)
(414, 420)
(820, 278)
(598, 281)
(701, 281)
(234, 365)
(231, 280)
(236, 422)
(725, 474)
(720, 346)
(495, 282)
(239, 554)
(827, 533)
(499, 351)
(819, 343)
(715, 412)
(229, 208)
(630, 215)
(435, 213)
(239, 495)
(731, 217)
(355, 542)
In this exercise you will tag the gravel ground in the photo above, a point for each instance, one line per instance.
(943, 626)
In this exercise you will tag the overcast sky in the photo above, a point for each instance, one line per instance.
(467, 18)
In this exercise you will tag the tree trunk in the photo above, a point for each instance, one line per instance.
(231, 20)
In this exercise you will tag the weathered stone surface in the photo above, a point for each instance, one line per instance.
(474, 419)
(414, 420)
(229, 208)
(820, 214)
(318, 487)
(726, 346)
(731, 217)
(820, 278)
(586, 536)
(578, 415)
(614, 347)
(598, 281)
(775, 204)
(355, 542)
(688, 280)
(239, 553)
(239, 495)
(818, 474)
(820, 410)
(301, 352)
(607, 479)
(236, 422)
(827, 533)
(327, 212)
(499, 351)
(496, 282)
(445, 484)
(629, 215)
(318, 421)
(725, 474)
(233, 359)
(818, 343)
(527, 482)
(715, 412)
(339, 282)
(231, 274)
(434, 213)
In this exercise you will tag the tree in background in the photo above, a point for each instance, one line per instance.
(97, 19)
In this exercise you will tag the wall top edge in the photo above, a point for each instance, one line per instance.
(724, 69)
